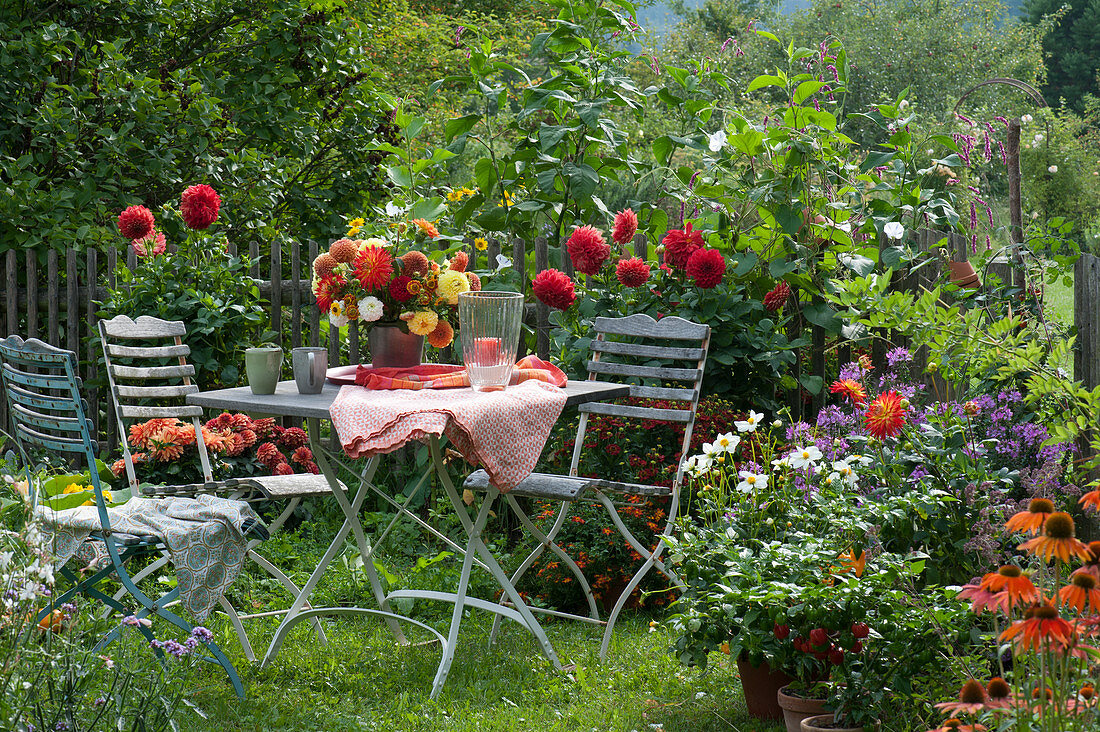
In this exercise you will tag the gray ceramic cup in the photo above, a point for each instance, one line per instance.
(262, 366)
(310, 367)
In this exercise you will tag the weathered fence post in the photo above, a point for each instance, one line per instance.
(542, 310)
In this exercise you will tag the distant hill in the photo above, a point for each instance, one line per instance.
(660, 18)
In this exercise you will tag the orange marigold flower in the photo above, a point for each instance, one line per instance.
(1080, 591)
(851, 389)
(1058, 540)
(886, 415)
(1033, 518)
(1016, 585)
(1041, 627)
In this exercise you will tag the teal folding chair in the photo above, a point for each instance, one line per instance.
(48, 414)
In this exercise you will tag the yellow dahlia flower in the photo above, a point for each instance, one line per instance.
(423, 322)
(451, 284)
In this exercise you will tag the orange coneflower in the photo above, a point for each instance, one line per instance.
(984, 599)
(954, 725)
(1041, 625)
(1058, 540)
(1091, 500)
(971, 700)
(1000, 693)
(1016, 585)
(886, 415)
(1033, 518)
(1080, 591)
(850, 389)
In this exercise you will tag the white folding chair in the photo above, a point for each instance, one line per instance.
(651, 356)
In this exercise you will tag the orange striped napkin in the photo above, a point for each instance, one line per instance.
(450, 376)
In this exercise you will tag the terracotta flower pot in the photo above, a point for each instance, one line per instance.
(963, 275)
(761, 686)
(824, 723)
(796, 708)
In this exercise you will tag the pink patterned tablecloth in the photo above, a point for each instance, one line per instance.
(501, 431)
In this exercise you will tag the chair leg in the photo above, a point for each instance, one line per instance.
(545, 541)
(652, 560)
(289, 586)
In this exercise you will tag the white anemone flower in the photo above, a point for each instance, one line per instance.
(781, 463)
(717, 141)
(728, 441)
(804, 457)
(697, 465)
(893, 230)
(750, 423)
(751, 481)
(859, 458)
(844, 472)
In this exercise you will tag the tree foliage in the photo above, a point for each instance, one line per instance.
(1072, 47)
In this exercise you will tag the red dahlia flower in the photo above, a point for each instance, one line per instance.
(293, 437)
(777, 297)
(399, 288)
(886, 416)
(269, 454)
(626, 225)
(329, 288)
(373, 268)
(680, 245)
(136, 222)
(283, 469)
(851, 389)
(706, 267)
(199, 206)
(632, 272)
(554, 288)
(587, 249)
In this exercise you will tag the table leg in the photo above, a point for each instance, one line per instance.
(476, 544)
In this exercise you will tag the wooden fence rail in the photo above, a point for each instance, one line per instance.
(58, 304)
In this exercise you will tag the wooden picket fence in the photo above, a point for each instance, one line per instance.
(58, 303)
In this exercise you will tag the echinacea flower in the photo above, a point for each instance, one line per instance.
(1041, 627)
(1091, 500)
(632, 272)
(680, 245)
(587, 249)
(851, 390)
(626, 225)
(1080, 591)
(554, 288)
(886, 416)
(972, 699)
(982, 599)
(1058, 540)
(1033, 518)
(136, 222)
(1010, 580)
(999, 693)
(199, 206)
(706, 267)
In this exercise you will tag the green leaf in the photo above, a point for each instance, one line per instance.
(812, 384)
(765, 80)
(806, 89)
(821, 315)
(460, 126)
(400, 175)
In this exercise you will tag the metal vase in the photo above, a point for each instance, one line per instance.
(392, 348)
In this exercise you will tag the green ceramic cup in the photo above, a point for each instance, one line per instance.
(263, 367)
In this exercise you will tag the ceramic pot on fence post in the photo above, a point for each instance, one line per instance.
(263, 366)
(796, 708)
(390, 347)
(761, 686)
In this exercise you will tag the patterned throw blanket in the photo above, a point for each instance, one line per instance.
(204, 536)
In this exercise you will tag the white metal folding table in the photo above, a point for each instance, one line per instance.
(286, 401)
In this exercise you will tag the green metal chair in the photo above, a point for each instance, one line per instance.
(47, 413)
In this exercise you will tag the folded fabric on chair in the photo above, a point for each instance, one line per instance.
(450, 376)
(205, 538)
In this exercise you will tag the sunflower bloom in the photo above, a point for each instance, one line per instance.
(1041, 627)
(886, 416)
(1058, 540)
(1033, 518)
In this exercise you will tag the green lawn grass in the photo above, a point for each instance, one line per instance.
(364, 681)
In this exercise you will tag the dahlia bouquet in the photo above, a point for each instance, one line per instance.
(392, 281)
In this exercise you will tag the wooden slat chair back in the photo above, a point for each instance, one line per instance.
(150, 381)
(661, 360)
(48, 413)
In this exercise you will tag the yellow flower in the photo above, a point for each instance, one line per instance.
(455, 195)
(423, 322)
(481, 243)
(336, 309)
(374, 241)
(75, 488)
(355, 226)
(107, 498)
(451, 284)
